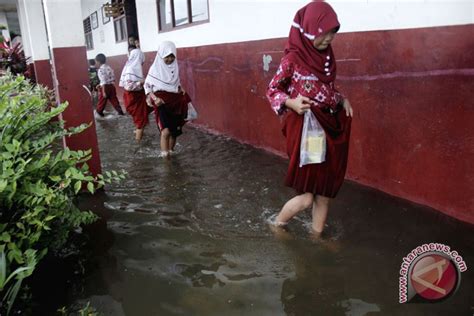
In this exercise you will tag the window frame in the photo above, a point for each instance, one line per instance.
(124, 29)
(173, 17)
(88, 34)
(117, 20)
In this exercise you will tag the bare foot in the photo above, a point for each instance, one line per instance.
(280, 232)
(321, 238)
(315, 235)
(164, 154)
(138, 134)
(279, 229)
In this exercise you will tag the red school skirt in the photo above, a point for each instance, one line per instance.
(135, 104)
(172, 114)
(327, 177)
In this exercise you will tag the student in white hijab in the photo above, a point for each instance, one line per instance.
(134, 96)
(164, 73)
(165, 94)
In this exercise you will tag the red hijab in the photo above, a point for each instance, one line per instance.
(313, 20)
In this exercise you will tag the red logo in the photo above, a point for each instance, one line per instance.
(434, 277)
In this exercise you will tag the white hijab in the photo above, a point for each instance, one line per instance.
(133, 70)
(163, 77)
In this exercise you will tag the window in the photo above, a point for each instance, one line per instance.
(180, 13)
(125, 19)
(120, 27)
(88, 33)
(120, 22)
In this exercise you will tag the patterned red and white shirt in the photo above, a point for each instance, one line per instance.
(106, 75)
(292, 80)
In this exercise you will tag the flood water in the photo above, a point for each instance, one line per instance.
(188, 236)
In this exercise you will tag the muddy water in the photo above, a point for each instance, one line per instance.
(188, 236)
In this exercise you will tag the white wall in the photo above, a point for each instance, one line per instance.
(104, 35)
(245, 20)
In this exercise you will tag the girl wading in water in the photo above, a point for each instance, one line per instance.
(305, 82)
(134, 96)
(165, 94)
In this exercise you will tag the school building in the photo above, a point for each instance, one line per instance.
(407, 67)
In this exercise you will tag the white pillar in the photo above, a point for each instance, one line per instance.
(64, 23)
(25, 36)
(38, 40)
(35, 24)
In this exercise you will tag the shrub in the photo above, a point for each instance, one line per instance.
(13, 58)
(38, 182)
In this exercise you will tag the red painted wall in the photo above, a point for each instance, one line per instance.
(43, 73)
(70, 68)
(412, 91)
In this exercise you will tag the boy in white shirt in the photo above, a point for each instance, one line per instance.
(106, 87)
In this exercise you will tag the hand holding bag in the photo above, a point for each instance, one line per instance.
(313, 141)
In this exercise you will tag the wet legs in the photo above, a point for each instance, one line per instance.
(301, 202)
(167, 142)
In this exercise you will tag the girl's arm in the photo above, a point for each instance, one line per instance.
(277, 92)
(151, 98)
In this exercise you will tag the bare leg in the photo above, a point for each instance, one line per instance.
(293, 207)
(172, 143)
(165, 141)
(138, 134)
(320, 213)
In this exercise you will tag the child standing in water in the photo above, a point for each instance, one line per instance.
(134, 96)
(106, 87)
(305, 82)
(165, 94)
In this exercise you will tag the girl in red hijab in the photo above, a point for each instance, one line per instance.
(305, 82)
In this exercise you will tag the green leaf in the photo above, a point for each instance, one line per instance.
(77, 186)
(55, 178)
(90, 187)
(5, 237)
(3, 185)
(49, 217)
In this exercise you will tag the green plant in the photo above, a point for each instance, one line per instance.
(87, 310)
(38, 181)
(16, 276)
(13, 58)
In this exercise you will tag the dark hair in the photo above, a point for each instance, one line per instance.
(101, 58)
(91, 62)
(135, 37)
(130, 47)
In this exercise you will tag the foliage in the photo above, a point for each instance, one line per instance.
(13, 58)
(38, 181)
(87, 310)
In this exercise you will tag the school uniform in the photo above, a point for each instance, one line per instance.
(107, 81)
(163, 81)
(134, 97)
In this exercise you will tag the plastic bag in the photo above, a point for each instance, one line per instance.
(192, 113)
(313, 141)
